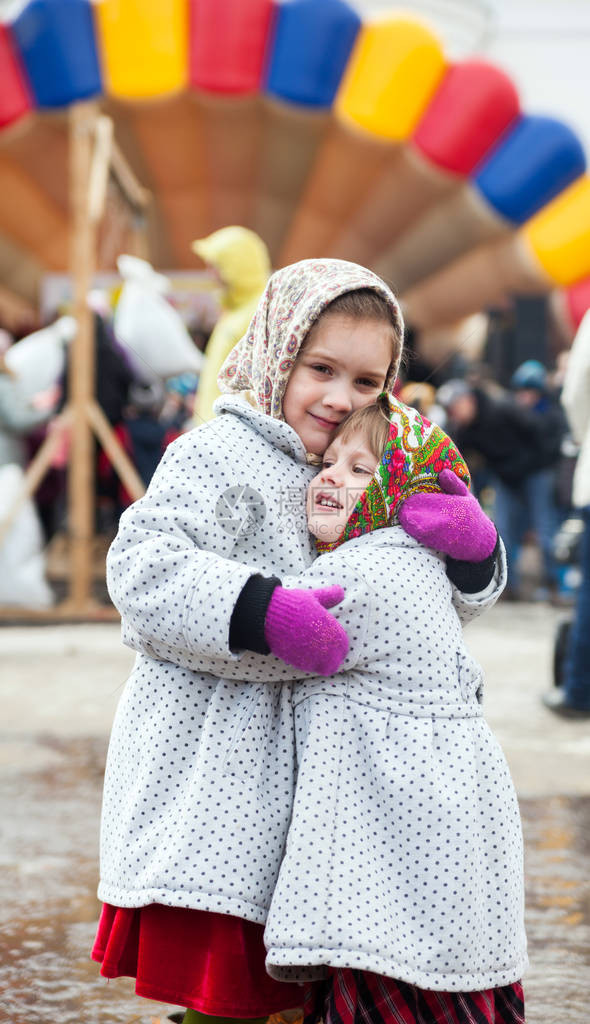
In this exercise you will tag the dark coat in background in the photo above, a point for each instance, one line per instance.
(514, 441)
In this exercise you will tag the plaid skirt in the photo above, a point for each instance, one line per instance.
(358, 997)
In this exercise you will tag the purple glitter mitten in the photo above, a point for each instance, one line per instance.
(452, 522)
(300, 631)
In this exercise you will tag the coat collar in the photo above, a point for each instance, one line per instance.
(276, 432)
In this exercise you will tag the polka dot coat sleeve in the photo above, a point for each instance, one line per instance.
(470, 606)
(180, 559)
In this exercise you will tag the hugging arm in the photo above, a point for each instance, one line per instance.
(292, 623)
(307, 640)
(454, 523)
(195, 607)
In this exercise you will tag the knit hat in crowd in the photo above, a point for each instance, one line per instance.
(415, 453)
(530, 374)
(451, 390)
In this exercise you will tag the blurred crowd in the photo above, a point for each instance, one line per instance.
(521, 454)
(144, 416)
(527, 443)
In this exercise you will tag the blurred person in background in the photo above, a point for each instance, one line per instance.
(535, 506)
(520, 441)
(241, 263)
(179, 406)
(572, 700)
(569, 446)
(144, 427)
(113, 379)
(157, 414)
(421, 396)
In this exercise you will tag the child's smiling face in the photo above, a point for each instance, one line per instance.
(348, 467)
(342, 367)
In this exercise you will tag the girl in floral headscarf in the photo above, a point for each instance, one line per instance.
(402, 880)
(200, 771)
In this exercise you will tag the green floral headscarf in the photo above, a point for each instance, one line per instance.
(416, 452)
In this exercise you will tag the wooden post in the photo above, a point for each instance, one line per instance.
(93, 155)
(119, 459)
(83, 119)
(138, 200)
(99, 171)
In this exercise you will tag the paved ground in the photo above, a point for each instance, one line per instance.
(58, 691)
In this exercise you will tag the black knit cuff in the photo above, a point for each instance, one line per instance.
(246, 627)
(471, 577)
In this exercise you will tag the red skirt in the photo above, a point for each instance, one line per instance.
(208, 962)
(348, 996)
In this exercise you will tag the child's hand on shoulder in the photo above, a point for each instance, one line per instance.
(452, 522)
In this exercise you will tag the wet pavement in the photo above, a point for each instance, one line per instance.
(557, 860)
(58, 690)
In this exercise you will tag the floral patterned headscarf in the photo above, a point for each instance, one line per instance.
(294, 297)
(415, 453)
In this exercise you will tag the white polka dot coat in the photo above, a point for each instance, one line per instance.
(201, 769)
(404, 852)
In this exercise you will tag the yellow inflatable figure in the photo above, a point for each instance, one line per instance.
(242, 262)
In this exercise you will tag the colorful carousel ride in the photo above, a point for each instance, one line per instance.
(325, 135)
